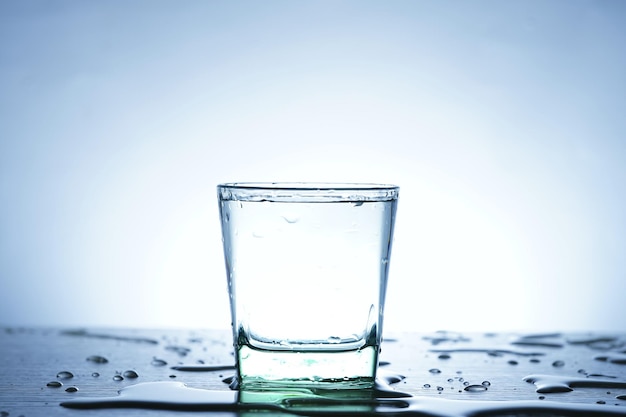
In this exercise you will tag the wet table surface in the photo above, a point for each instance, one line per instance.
(446, 373)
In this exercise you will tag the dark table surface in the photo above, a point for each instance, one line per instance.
(446, 373)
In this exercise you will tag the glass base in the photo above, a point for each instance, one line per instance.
(265, 369)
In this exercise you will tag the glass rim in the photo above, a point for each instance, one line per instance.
(320, 186)
(307, 191)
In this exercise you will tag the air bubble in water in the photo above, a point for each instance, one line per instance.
(65, 375)
(54, 384)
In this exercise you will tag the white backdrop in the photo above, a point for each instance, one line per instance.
(503, 123)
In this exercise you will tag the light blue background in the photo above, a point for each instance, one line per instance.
(504, 123)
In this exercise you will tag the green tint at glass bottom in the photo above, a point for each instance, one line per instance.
(265, 369)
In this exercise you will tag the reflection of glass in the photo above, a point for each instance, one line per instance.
(310, 400)
(307, 272)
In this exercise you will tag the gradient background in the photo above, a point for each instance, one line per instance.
(504, 123)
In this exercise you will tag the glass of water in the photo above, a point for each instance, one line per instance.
(307, 267)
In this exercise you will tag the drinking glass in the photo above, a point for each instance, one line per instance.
(307, 267)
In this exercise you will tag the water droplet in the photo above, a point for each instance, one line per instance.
(97, 359)
(426, 385)
(95, 375)
(65, 375)
(542, 397)
(450, 380)
(534, 360)
(172, 376)
(444, 356)
(466, 383)
(486, 384)
(180, 350)
(71, 389)
(158, 362)
(131, 374)
(389, 377)
(54, 384)
(475, 388)
(291, 219)
(600, 402)
(439, 388)
(558, 364)
(118, 378)
(512, 362)
(434, 371)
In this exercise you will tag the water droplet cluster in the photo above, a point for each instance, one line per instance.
(444, 380)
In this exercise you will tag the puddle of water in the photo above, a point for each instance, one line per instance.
(538, 341)
(84, 333)
(553, 383)
(202, 368)
(489, 351)
(597, 342)
(178, 396)
(617, 358)
(381, 400)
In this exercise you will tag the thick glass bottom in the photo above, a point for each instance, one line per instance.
(265, 369)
